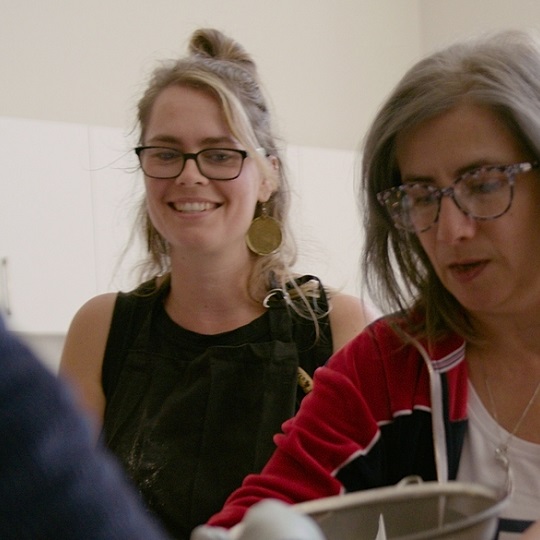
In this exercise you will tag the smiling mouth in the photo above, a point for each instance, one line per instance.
(193, 207)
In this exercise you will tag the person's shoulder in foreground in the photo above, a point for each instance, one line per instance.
(54, 483)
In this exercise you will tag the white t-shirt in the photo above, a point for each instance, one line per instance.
(478, 464)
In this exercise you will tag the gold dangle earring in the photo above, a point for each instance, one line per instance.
(264, 235)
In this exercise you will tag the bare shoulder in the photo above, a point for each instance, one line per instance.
(533, 532)
(349, 315)
(92, 321)
(84, 347)
(95, 308)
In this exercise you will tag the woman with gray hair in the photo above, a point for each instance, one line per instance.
(192, 374)
(448, 386)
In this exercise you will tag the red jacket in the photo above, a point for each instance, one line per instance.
(367, 423)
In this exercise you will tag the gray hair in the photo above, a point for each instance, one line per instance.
(500, 71)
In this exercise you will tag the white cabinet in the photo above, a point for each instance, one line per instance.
(68, 200)
(46, 227)
(117, 190)
(324, 215)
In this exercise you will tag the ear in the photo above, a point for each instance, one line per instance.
(269, 183)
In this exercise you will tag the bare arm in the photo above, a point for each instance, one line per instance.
(348, 317)
(82, 357)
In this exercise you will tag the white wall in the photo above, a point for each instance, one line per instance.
(443, 21)
(325, 63)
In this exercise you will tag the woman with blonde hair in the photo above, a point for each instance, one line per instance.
(192, 374)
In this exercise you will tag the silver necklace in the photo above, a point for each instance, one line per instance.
(501, 451)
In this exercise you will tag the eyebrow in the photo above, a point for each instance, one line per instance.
(460, 172)
(170, 139)
(474, 166)
(414, 179)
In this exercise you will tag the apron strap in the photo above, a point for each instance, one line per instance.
(280, 303)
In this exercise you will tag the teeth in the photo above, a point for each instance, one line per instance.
(193, 206)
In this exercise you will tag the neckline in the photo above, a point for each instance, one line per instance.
(490, 429)
(251, 331)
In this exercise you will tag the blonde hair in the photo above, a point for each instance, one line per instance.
(219, 65)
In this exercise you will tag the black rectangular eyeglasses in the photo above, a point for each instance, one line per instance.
(213, 163)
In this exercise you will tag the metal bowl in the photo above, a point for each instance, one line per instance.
(409, 511)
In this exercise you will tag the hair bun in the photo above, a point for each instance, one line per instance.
(214, 44)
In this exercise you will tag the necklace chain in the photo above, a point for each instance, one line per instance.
(501, 451)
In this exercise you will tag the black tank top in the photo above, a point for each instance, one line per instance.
(190, 415)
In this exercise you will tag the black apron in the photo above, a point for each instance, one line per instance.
(188, 432)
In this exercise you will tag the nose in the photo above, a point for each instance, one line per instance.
(190, 174)
(453, 225)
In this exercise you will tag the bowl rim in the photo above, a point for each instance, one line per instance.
(318, 507)
(395, 493)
